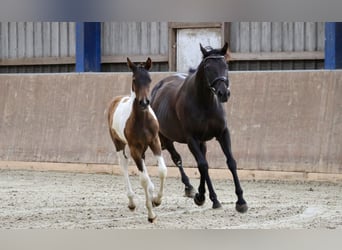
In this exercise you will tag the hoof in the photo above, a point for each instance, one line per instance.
(131, 207)
(156, 202)
(241, 208)
(151, 220)
(217, 205)
(190, 192)
(199, 201)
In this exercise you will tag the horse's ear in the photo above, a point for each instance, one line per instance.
(148, 64)
(224, 49)
(203, 50)
(131, 65)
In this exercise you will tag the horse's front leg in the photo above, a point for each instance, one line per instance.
(224, 140)
(198, 150)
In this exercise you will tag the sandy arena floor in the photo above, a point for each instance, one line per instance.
(31, 199)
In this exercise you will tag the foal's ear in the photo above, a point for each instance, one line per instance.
(148, 64)
(131, 65)
(204, 51)
(224, 49)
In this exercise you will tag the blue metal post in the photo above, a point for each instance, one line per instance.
(333, 45)
(88, 47)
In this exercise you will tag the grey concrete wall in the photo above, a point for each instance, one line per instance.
(284, 121)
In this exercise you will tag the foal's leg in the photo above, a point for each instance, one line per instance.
(156, 149)
(197, 149)
(176, 158)
(224, 140)
(145, 182)
(124, 165)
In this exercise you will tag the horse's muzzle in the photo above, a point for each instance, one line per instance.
(223, 97)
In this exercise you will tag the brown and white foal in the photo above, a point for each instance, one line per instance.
(132, 122)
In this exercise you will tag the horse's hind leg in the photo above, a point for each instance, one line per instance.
(212, 194)
(124, 165)
(176, 158)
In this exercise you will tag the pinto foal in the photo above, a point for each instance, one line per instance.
(132, 122)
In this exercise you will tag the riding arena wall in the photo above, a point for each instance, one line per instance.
(287, 121)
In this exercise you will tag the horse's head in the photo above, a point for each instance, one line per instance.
(216, 71)
(141, 81)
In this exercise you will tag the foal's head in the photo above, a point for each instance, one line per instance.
(216, 71)
(141, 81)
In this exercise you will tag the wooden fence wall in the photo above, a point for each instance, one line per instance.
(277, 45)
(50, 46)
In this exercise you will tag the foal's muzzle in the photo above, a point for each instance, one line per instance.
(144, 103)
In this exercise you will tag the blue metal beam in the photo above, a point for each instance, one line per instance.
(88, 47)
(333, 45)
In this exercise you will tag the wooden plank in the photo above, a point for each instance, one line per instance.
(107, 39)
(245, 38)
(299, 35)
(12, 41)
(55, 39)
(194, 25)
(163, 39)
(72, 39)
(4, 40)
(320, 36)
(266, 44)
(134, 58)
(64, 40)
(71, 60)
(124, 39)
(310, 36)
(276, 28)
(272, 56)
(46, 32)
(29, 43)
(144, 38)
(21, 36)
(288, 36)
(262, 56)
(154, 38)
(255, 42)
(235, 37)
(38, 39)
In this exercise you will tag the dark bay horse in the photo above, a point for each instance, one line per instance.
(132, 122)
(189, 110)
